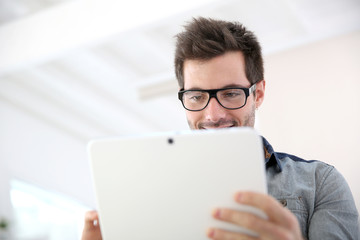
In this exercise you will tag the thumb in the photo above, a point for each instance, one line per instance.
(91, 219)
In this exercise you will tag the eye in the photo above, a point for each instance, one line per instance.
(231, 93)
(196, 96)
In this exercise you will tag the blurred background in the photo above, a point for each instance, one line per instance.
(74, 70)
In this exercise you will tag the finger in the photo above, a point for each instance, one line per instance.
(91, 219)
(219, 234)
(240, 218)
(270, 206)
(262, 227)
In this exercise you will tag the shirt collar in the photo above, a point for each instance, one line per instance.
(271, 157)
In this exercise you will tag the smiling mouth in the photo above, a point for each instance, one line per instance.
(215, 126)
(219, 124)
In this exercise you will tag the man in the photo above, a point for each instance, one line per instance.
(219, 68)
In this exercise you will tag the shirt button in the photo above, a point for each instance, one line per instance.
(283, 202)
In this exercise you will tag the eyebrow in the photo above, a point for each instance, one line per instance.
(226, 86)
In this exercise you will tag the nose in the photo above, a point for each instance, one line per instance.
(214, 111)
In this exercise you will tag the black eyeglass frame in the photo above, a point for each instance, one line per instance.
(212, 94)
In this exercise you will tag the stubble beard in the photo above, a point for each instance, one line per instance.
(248, 121)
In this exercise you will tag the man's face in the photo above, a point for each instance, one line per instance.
(227, 70)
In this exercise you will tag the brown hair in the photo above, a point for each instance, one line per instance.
(206, 38)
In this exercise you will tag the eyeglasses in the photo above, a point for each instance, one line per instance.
(229, 98)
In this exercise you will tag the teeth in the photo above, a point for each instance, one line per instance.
(219, 127)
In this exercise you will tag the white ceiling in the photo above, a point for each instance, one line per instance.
(123, 82)
(11, 10)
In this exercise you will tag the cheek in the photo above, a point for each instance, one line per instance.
(192, 118)
(243, 114)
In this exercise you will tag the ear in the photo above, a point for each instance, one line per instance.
(260, 93)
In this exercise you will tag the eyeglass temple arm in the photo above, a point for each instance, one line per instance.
(252, 88)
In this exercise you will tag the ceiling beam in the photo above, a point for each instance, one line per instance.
(57, 30)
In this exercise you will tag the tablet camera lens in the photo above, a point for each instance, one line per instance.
(170, 141)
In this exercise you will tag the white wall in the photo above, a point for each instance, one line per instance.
(312, 104)
(33, 151)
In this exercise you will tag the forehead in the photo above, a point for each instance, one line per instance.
(218, 72)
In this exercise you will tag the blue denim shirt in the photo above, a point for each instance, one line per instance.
(315, 192)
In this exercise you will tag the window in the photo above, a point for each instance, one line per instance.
(41, 214)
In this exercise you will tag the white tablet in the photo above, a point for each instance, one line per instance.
(164, 186)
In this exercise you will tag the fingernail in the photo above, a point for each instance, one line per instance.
(239, 197)
(211, 232)
(217, 213)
